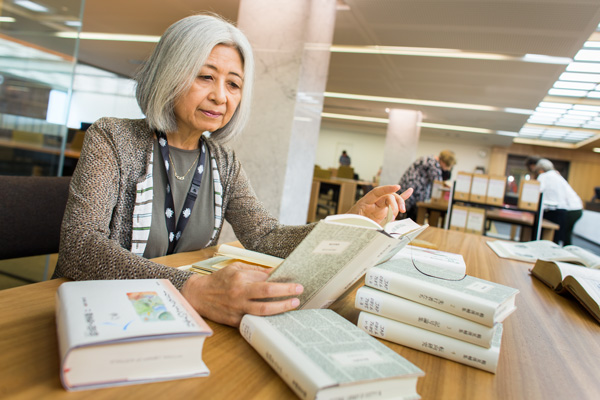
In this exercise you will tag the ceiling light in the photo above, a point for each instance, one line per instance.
(596, 149)
(355, 118)
(587, 55)
(30, 5)
(455, 128)
(551, 104)
(577, 77)
(583, 67)
(575, 85)
(7, 19)
(567, 92)
(108, 36)
(73, 23)
(446, 53)
(428, 103)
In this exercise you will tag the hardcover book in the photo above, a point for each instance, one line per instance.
(400, 309)
(434, 343)
(475, 299)
(583, 283)
(321, 355)
(120, 332)
(338, 252)
(546, 250)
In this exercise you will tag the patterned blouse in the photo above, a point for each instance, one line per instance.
(97, 229)
(420, 176)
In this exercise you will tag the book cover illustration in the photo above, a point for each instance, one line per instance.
(149, 307)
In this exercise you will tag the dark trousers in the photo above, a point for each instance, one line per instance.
(566, 221)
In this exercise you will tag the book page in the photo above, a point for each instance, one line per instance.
(250, 256)
(587, 291)
(587, 258)
(353, 219)
(531, 251)
(320, 257)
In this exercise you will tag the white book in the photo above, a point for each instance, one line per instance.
(119, 332)
(451, 261)
(475, 299)
(544, 250)
(321, 355)
(433, 343)
(400, 309)
(338, 252)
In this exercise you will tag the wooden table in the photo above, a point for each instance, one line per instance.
(550, 348)
(523, 219)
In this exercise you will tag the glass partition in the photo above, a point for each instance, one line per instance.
(36, 79)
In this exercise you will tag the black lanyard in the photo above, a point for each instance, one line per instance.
(176, 231)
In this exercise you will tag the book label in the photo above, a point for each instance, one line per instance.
(331, 247)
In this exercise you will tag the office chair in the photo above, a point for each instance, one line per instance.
(31, 212)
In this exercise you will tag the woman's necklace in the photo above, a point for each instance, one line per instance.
(188, 171)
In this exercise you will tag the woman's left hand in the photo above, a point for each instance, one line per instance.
(375, 204)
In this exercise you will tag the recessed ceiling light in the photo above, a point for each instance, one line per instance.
(7, 19)
(108, 36)
(596, 149)
(446, 53)
(30, 5)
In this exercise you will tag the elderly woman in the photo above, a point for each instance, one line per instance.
(161, 185)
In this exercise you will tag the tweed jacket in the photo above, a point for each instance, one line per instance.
(96, 233)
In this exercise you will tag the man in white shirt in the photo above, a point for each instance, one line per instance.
(561, 204)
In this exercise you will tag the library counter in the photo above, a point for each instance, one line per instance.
(550, 347)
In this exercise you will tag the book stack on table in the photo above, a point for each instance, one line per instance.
(423, 300)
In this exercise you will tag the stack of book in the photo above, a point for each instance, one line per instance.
(426, 305)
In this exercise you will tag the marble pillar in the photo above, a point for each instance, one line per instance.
(401, 143)
(291, 42)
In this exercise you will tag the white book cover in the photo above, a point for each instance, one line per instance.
(433, 343)
(451, 261)
(321, 355)
(400, 309)
(118, 332)
(475, 299)
(338, 252)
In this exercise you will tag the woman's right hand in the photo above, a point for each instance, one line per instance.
(226, 295)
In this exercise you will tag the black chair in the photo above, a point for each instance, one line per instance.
(31, 213)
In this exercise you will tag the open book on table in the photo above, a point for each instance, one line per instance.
(338, 252)
(544, 249)
(583, 283)
(227, 254)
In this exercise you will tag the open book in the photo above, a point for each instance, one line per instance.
(582, 283)
(226, 255)
(338, 252)
(321, 355)
(546, 250)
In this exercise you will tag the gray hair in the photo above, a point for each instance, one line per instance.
(173, 66)
(544, 164)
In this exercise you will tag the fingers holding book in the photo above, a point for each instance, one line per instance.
(379, 202)
(226, 295)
